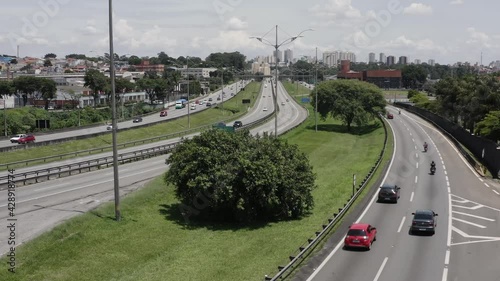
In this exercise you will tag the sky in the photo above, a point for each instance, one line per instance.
(447, 31)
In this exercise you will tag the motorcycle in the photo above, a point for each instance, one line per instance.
(425, 148)
(433, 170)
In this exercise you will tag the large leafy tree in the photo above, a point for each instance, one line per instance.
(6, 88)
(413, 76)
(489, 127)
(96, 81)
(351, 101)
(50, 56)
(260, 179)
(47, 90)
(26, 86)
(148, 85)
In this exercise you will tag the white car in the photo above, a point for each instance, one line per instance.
(264, 109)
(193, 107)
(282, 103)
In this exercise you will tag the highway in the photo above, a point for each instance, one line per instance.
(467, 239)
(39, 207)
(171, 113)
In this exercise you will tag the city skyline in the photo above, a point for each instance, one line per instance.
(422, 30)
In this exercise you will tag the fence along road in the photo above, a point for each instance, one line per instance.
(172, 114)
(42, 206)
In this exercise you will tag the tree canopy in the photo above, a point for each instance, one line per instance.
(96, 81)
(352, 101)
(221, 176)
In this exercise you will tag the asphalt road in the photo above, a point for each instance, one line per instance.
(39, 207)
(467, 239)
(171, 113)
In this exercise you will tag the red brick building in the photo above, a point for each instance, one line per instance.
(384, 78)
(145, 66)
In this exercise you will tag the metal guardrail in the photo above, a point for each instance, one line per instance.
(337, 217)
(87, 165)
(68, 169)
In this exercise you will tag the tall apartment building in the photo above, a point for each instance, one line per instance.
(332, 59)
(382, 58)
(431, 62)
(288, 56)
(261, 67)
(403, 60)
(390, 60)
(371, 58)
(417, 61)
(278, 56)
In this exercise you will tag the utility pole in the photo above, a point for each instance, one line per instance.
(189, 105)
(113, 104)
(316, 90)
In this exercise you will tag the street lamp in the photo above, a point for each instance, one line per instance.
(316, 90)
(113, 105)
(189, 105)
(276, 46)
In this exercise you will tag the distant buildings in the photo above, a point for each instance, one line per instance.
(196, 72)
(417, 61)
(261, 67)
(431, 62)
(390, 60)
(382, 58)
(145, 66)
(371, 58)
(332, 59)
(383, 78)
(403, 60)
(288, 56)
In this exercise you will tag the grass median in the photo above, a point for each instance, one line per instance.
(153, 242)
(233, 108)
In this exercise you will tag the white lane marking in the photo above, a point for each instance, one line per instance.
(477, 217)
(496, 192)
(48, 187)
(465, 235)
(469, 208)
(466, 200)
(81, 187)
(381, 269)
(401, 224)
(417, 165)
(416, 179)
(486, 185)
(374, 197)
(416, 155)
(469, 223)
(445, 274)
(447, 257)
(411, 197)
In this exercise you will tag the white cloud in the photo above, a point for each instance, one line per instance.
(478, 38)
(233, 41)
(335, 11)
(456, 2)
(235, 23)
(89, 30)
(418, 9)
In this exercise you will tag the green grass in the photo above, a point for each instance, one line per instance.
(233, 109)
(154, 243)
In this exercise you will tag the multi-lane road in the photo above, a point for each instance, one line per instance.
(39, 207)
(230, 91)
(467, 239)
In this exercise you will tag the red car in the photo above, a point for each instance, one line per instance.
(390, 116)
(360, 235)
(163, 113)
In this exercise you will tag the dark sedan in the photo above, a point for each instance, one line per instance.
(424, 221)
(137, 119)
(389, 193)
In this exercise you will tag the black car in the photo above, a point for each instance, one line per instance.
(423, 221)
(137, 119)
(389, 193)
(237, 124)
(209, 104)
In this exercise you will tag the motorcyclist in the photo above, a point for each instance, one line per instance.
(425, 147)
(433, 165)
(399, 111)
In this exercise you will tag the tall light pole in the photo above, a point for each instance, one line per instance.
(189, 105)
(113, 105)
(316, 90)
(276, 47)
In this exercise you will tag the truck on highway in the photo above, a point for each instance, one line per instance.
(180, 104)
